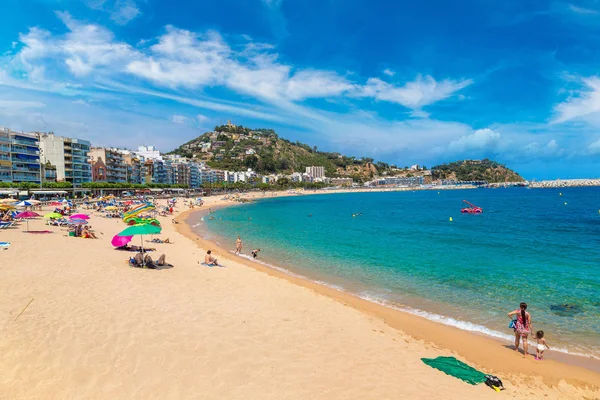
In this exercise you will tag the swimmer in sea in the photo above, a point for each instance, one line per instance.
(255, 253)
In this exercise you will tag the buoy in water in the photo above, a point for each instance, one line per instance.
(450, 219)
(565, 203)
(560, 194)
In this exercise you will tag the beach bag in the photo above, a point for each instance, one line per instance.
(494, 382)
(512, 324)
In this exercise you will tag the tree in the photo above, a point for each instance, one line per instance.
(251, 161)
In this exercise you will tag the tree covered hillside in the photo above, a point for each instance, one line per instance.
(475, 170)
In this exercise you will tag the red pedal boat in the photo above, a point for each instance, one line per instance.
(472, 209)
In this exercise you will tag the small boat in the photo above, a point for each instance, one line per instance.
(472, 209)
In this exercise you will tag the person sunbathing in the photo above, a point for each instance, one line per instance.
(87, 234)
(157, 240)
(209, 259)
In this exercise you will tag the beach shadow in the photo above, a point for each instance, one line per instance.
(512, 348)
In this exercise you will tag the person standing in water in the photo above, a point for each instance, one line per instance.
(522, 327)
(238, 245)
(255, 253)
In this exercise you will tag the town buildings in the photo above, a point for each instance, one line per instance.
(25, 157)
(316, 172)
(68, 156)
(108, 165)
(19, 157)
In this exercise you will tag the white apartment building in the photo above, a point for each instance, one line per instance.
(69, 156)
(149, 153)
(316, 172)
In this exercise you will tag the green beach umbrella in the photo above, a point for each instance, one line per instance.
(141, 230)
(53, 215)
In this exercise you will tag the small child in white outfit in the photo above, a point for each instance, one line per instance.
(541, 345)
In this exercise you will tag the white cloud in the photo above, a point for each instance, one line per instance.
(551, 149)
(582, 10)
(389, 72)
(179, 119)
(419, 93)
(19, 105)
(481, 139)
(594, 148)
(201, 118)
(121, 12)
(184, 59)
(584, 104)
(124, 12)
(81, 102)
(85, 48)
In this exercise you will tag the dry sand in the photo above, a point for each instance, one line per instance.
(97, 329)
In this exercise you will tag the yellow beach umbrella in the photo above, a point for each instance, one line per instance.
(8, 201)
(111, 208)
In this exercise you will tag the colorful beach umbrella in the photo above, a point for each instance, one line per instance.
(53, 215)
(119, 241)
(27, 215)
(24, 203)
(79, 216)
(56, 204)
(77, 222)
(111, 208)
(140, 230)
(8, 201)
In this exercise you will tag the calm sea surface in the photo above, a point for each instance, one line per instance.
(541, 246)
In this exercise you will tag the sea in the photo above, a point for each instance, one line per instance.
(416, 251)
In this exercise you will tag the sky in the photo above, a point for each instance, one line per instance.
(403, 82)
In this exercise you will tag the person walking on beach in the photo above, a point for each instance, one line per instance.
(238, 245)
(541, 345)
(522, 327)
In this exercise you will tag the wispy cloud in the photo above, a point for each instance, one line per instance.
(124, 11)
(594, 148)
(121, 12)
(582, 104)
(389, 72)
(416, 94)
(582, 10)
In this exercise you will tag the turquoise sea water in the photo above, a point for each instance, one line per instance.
(536, 246)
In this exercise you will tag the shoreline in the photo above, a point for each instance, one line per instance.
(490, 354)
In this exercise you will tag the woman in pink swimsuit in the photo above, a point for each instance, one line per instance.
(522, 327)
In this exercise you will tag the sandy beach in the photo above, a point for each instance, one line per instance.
(97, 329)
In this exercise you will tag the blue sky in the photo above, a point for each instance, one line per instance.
(404, 82)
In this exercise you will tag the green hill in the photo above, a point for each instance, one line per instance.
(475, 170)
(236, 148)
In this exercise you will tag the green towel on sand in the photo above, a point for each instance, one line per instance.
(458, 369)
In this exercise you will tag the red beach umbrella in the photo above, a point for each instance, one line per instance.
(79, 216)
(27, 215)
(119, 241)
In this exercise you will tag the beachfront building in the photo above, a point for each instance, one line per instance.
(5, 156)
(296, 177)
(68, 156)
(108, 165)
(404, 181)
(149, 153)
(316, 172)
(19, 157)
(134, 165)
